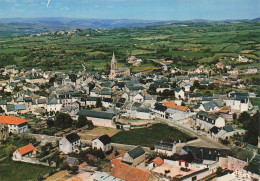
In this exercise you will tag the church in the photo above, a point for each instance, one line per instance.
(117, 71)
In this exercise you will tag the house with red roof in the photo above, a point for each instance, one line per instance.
(15, 124)
(130, 173)
(26, 151)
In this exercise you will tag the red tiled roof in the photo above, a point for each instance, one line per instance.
(83, 164)
(172, 104)
(116, 161)
(220, 63)
(121, 154)
(158, 161)
(223, 111)
(12, 120)
(169, 104)
(27, 149)
(129, 173)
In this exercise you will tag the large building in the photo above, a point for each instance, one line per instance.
(15, 124)
(117, 71)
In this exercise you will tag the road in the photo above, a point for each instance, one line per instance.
(203, 141)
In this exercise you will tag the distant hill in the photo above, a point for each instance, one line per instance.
(20, 26)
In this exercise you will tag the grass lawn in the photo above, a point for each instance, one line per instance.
(10, 170)
(148, 136)
(256, 101)
(96, 132)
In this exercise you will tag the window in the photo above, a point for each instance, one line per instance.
(194, 178)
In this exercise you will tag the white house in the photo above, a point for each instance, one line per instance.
(69, 143)
(26, 151)
(134, 156)
(166, 148)
(100, 118)
(206, 121)
(102, 142)
(179, 93)
(15, 124)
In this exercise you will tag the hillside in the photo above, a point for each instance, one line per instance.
(186, 44)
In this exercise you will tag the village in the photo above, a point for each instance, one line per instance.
(86, 125)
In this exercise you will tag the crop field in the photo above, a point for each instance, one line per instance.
(189, 43)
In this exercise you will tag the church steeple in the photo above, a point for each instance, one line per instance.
(113, 62)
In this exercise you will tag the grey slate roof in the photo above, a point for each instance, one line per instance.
(136, 152)
(72, 137)
(96, 114)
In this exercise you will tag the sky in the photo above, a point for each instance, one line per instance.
(132, 9)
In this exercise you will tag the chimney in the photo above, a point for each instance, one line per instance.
(64, 136)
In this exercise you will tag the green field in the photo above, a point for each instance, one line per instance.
(14, 171)
(148, 136)
(188, 43)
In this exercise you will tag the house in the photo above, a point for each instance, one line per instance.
(194, 97)
(26, 151)
(129, 173)
(206, 121)
(134, 156)
(209, 106)
(102, 142)
(155, 163)
(69, 143)
(205, 153)
(54, 103)
(15, 124)
(164, 147)
(72, 161)
(173, 105)
(179, 93)
(99, 118)
(181, 170)
(159, 110)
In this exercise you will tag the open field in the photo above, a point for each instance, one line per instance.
(187, 44)
(10, 171)
(148, 136)
(96, 132)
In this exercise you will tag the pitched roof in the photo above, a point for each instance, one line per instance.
(27, 149)
(158, 161)
(72, 137)
(83, 164)
(12, 120)
(105, 139)
(172, 104)
(129, 173)
(96, 114)
(116, 161)
(163, 145)
(136, 152)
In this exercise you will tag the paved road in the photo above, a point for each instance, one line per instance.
(203, 141)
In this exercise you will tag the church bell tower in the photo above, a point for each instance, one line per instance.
(113, 67)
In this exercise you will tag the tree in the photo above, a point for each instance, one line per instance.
(1, 110)
(98, 102)
(244, 118)
(252, 129)
(50, 123)
(63, 120)
(234, 116)
(10, 149)
(192, 88)
(196, 84)
(107, 66)
(82, 121)
(90, 124)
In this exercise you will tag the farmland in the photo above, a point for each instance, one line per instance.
(186, 44)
